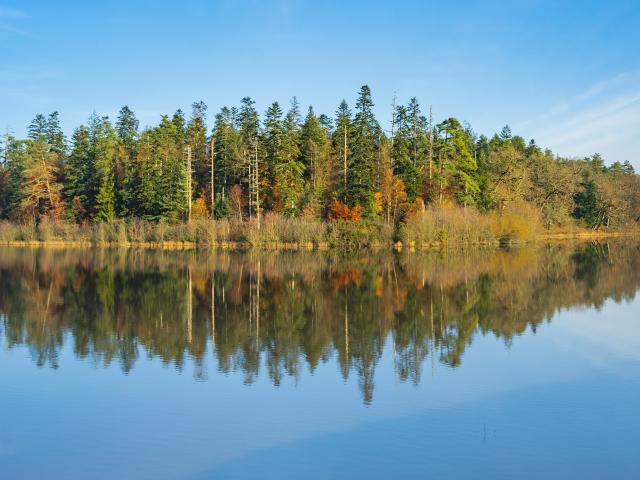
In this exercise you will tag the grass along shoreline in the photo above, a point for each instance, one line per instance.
(431, 229)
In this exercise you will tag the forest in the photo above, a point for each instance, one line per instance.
(290, 176)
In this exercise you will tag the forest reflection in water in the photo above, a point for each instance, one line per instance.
(277, 313)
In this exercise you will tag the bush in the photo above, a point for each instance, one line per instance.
(467, 226)
(278, 229)
(358, 234)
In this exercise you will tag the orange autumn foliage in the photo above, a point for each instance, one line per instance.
(340, 211)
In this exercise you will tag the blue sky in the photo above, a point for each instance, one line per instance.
(566, 73)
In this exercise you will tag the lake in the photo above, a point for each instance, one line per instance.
(495, 363)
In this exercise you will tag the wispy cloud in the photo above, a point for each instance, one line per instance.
(605, 118)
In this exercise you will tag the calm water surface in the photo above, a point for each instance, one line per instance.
(517, 363)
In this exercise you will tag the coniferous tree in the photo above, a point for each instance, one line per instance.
(249, 138)
(363, 149)
(340, 142)
(587, 205)
(127, 129)
(106, 155)
(38, 128)
(168, 154)
(456, 163)
(225, 137)
(80, 174)
(54, 136)
(127, 173)
(289, 170)
(16, 160)
(404, 153)
(273, 142)
(315, 148)
(197, 140)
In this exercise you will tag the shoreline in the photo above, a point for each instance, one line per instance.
(550, 237)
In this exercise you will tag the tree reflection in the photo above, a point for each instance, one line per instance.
(283, 312)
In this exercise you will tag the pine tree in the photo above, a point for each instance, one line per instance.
(80, 174)
(54, 136)
(315, 148)
(249, 154)
(197, 140)
(15, 164)
(587, 204)
(127, 129)
(363, 148)
(38, 127)
(404, 153)
(340, 142)
(127, 176)
(289, 170)
(170, 174)
(457, 166)
(273, 141)
(226, 139)
(106, 154)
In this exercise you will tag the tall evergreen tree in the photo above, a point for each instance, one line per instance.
(197, 140)
(106, 155)
(54, 136)
(363, 148)
(127, 129)
(457, 165)
(315, 146)
(404, 153)
(225, 138)
(16, 160)
(80, 173)
(38, 128)
(289, 170)
(340, 142)
(127, 175)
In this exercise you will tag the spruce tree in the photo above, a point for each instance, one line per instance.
(38, 127)
(106, 154)
(54, 136)
(404, 153)
(197, 140)
(127, 177)
(289, 170)
(315, 157)
(80, 174)
(340, 143)
(363, 149)
(225, 138)
(15, 164)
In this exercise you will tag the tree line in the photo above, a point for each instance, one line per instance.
(344, 167)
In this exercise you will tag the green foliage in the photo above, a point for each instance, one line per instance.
(281, 163)
(587, 205)
(363, 150)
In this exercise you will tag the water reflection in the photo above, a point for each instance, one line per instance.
(275, 314)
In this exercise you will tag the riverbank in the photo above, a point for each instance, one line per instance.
(554, 236)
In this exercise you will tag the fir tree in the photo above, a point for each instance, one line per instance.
(80, 173)
(289, 170)
(404, 153)
(106, 153)
(363, 149)
(340, 143)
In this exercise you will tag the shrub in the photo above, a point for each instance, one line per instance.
(466, 226)
(358, 234)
